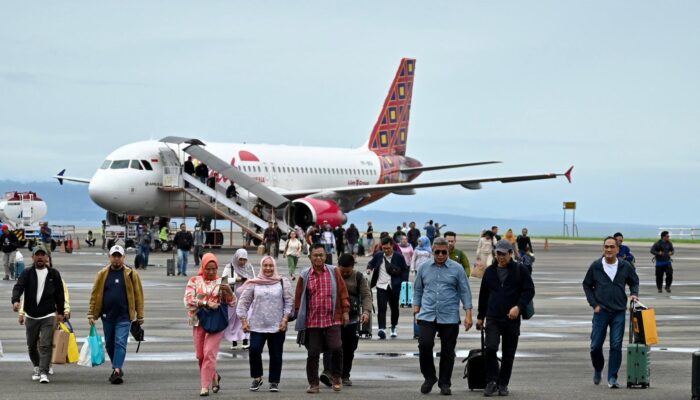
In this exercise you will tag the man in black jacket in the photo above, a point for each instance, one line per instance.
(388, 281)
(43, 306)
(662, 251)
(604, 286)
(506, 289)
(183, 241)
(8, 242)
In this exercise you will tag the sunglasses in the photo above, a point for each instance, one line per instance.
(440, 252)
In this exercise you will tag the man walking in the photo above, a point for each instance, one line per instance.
(183, 241)
(524, 243)
(604, 286)
(322, 307)
(45, 238)
(456, 254)
(360, 301)
(199, 240)
(117, 299)
(8, 243)
(439, 288)
(388, 269)
(413, 234)
(505, 292)
(625, 252)
(662, 251)
(44, 303)
(271, 238)
(145, 240)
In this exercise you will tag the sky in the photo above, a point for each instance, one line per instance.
(609, 87)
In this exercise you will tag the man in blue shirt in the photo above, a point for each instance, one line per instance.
(439, 287)
(625, 252)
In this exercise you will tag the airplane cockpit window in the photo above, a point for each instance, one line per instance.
(120, 164)
(105, 165)
(147, 165)
(135, 164)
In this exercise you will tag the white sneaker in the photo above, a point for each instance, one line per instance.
(50, 371)
(35, 374)
(393, 332)
(44, 378)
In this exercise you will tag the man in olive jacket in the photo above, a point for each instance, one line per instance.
(117, 299)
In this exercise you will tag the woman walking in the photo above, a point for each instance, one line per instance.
(238, 272)
(264, 308)
(484, 249)
(421, 254)
(207, 291)
(292, 251)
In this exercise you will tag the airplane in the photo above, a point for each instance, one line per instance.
(319, 183)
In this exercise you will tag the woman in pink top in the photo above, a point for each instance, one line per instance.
(406, 249)
(205, 290)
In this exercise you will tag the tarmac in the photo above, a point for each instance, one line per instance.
(552, 361)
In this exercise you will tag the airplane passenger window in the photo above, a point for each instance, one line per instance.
(120, 164)
(105, 164)
(147, 165)
(273, 169)
(135, 164)
(259, 170)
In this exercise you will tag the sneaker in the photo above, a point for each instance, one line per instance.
(597, 377)
(445, 391)
(668, 289)
(255, 385)
(660, 291)
(116, 377)
(503, 390)
(381, 334)
(35, 374)
(490, 389)
(246, 345)
(43, 378)
(274, 387)
(427, 385)
(325, 378)
(347, 382)
(393, 332)
(312, 389)
(612, 383)
(234, 345)
(50, 371)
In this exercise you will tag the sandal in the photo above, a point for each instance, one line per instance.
(216, 387)
(204, 392)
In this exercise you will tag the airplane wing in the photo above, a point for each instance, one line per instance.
(407, 187)
(62, 178)
(446, 166)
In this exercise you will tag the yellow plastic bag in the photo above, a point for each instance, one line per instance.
(73, 353)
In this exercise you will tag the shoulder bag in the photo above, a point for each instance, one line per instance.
(391, 269)
(213, 321)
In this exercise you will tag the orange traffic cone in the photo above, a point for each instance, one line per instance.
(546, 244)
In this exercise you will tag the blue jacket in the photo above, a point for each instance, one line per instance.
(496, 298)
(396, 259)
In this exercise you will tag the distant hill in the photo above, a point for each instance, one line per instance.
(71, 204)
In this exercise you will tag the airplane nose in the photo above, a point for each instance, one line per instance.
(102, 193)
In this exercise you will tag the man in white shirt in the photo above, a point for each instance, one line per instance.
(44, 303)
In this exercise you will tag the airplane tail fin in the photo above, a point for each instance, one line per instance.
(390, 133)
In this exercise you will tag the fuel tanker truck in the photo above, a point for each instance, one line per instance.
(22, 212)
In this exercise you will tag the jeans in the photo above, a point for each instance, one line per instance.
(116, 336)
(318, 340)
(9, 263)
(392, 297)
(275, 347)
(40, 341)
(272, 249)
(601, 321)
(145, 251)
(198, 252)
(509, 330)
(349, 338)
(426, 343)
(660, 271)
(182, 261)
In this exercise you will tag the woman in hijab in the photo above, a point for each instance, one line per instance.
(238, 271)
(421, 253)
(206, 290)
(264, 308)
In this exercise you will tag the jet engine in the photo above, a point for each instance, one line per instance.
(308, 211)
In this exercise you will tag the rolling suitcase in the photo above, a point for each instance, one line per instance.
(170, 267)
(638, 363)
(696, 376)
(475, 369)
(406, 296)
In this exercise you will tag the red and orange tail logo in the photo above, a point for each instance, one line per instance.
(391, 130)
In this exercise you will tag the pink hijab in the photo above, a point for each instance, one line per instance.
(261, 279)
(209, 257)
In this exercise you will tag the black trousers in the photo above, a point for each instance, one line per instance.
(660, 271)
(390, 296)
(320, 340)
(426, 343)
(348, 335)
(496, 329)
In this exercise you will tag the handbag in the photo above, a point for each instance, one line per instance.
(213, 321)
(479, 269)
(97, 348)
(73, 352)
(138, 333)
(391, 269)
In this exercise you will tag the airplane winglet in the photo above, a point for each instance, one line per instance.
(60, 180)
(567, 174)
